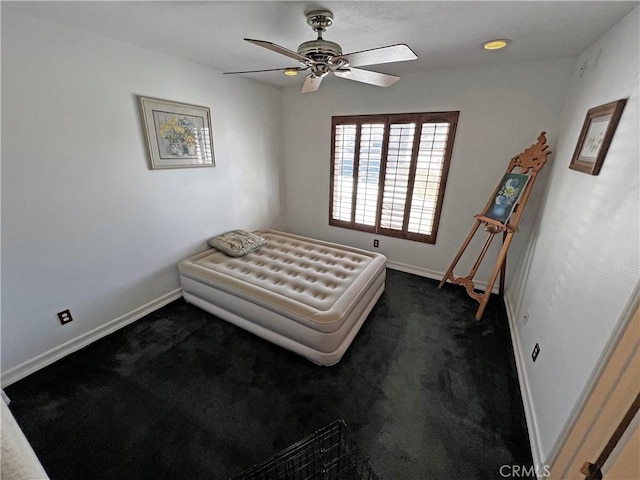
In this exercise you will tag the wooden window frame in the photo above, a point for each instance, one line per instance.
(419, 119)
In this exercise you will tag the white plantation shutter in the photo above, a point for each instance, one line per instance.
(343, 150)
(371, 136)
(429, 166)
(396, 178)
(388, 172)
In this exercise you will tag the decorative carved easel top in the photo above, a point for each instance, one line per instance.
(533, 158)
(529, 162)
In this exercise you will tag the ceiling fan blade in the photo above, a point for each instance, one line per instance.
(367, 76)
(375, 56)
(311, 83)
(278, 49)
(297, 69)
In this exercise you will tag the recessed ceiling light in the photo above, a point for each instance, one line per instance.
(496, 44)
(292, 72)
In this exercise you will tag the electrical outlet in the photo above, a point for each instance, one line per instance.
(525, 317)
(536, 352)
(376, 243)
(65, 317)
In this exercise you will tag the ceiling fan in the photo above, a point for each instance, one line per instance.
(322, 57)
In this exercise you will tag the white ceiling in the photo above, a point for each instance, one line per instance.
(444, 35)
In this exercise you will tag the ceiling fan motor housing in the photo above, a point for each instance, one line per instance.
(320, 50)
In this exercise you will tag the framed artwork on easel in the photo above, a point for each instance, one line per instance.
(507, 196)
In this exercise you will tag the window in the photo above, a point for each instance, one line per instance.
(388, 172)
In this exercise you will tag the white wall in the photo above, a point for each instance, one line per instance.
(585, 247)
(86, 224)
(503, 109)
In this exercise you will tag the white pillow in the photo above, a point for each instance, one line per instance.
(237, 243)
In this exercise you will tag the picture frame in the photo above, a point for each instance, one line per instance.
(507, 196)
(178, 135)
(597, 131)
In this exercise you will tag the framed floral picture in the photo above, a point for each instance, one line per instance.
(595, 137)
(507, 196)
(178, 134)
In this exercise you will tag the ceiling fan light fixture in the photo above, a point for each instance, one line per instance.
(291, 72)
(496, 44)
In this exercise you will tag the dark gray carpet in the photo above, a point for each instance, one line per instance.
(428, 392)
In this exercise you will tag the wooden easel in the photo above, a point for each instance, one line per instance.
(529, 162)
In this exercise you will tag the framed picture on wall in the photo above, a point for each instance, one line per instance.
(595, 137)
(178, 135)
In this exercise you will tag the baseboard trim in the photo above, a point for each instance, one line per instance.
(432, 274)
(531, 418)
(422, 272)
(47, 358)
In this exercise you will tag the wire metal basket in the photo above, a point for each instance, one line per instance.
(330, 453)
